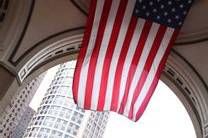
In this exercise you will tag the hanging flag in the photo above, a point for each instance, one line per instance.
(124, 49)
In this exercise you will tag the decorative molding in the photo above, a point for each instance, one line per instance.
(3, 9)
(186, 91)
(80, 6)
(194, 70)
(206, 130)
(22, 34)
(8, 69)
(191, 85)
(42, 41)
(67, 45)
(194, 41)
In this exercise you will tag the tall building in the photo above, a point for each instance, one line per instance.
(59, 117)
(18, 105)
(23, 123)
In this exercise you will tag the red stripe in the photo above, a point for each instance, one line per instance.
(83, 49)
(156, 78)
(119, 68)
(154, 48)
(109, 53)
(94, 56)
(134, 63)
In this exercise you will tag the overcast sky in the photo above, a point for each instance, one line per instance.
(165, 116)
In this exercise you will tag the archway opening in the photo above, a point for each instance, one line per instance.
(175, 75)
(165, 116)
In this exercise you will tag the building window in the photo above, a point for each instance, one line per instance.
(60, 124)
(49, 121)
(72, 129)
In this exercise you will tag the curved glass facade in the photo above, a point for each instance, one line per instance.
(59, 117)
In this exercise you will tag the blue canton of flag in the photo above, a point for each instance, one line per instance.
(166, 12)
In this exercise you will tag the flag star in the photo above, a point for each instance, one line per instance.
(181, 6)
(177, 17)
(137, 11)
(147, 13)
(158, 17)
(180, 23)
(154, 10)
(173, 10)
(150, 3)
(185, 12)
(169, 2)
(190, 1)
(169, 20)
(165, 13)
(143, 7)
(140, 1)
(162, 6)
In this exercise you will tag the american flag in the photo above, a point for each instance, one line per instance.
(124, 49)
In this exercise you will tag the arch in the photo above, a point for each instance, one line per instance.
(182, 79)
(178, 75)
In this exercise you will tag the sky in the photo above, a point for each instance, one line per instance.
(165, 116)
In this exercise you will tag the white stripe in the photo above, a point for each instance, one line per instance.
(161, 51)
(102, 53)
(85, 66)
(129, 57)
(147, 48)
(116, 54)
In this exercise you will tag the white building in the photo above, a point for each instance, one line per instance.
(59, 117)
(19, 103)
(23, 123)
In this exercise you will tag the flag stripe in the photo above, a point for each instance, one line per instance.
(119, 44)
(102, 53)
(95, 52)
(128, 58)
(90, 45)
(148, 44)
(145, 70)
(118, 47)
(120, 64)
(153, 70)
(83, 49)
(135, 61)
(110, 51)
(156, 78)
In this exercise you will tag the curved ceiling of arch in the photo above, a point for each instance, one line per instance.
(195, 28)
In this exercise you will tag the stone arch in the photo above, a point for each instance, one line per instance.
(51, 51)
(185, 82)
(178, 75)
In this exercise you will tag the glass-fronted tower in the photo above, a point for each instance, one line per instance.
(59, 117)
(19, 131)
(20, 102)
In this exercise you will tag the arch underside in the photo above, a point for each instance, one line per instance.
(178, 75)
(24, 56)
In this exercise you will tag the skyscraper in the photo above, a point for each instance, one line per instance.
(19, 131)
(59, 117)
(19, 103)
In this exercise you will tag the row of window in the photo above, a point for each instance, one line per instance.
(60, 126)
(58, 100)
